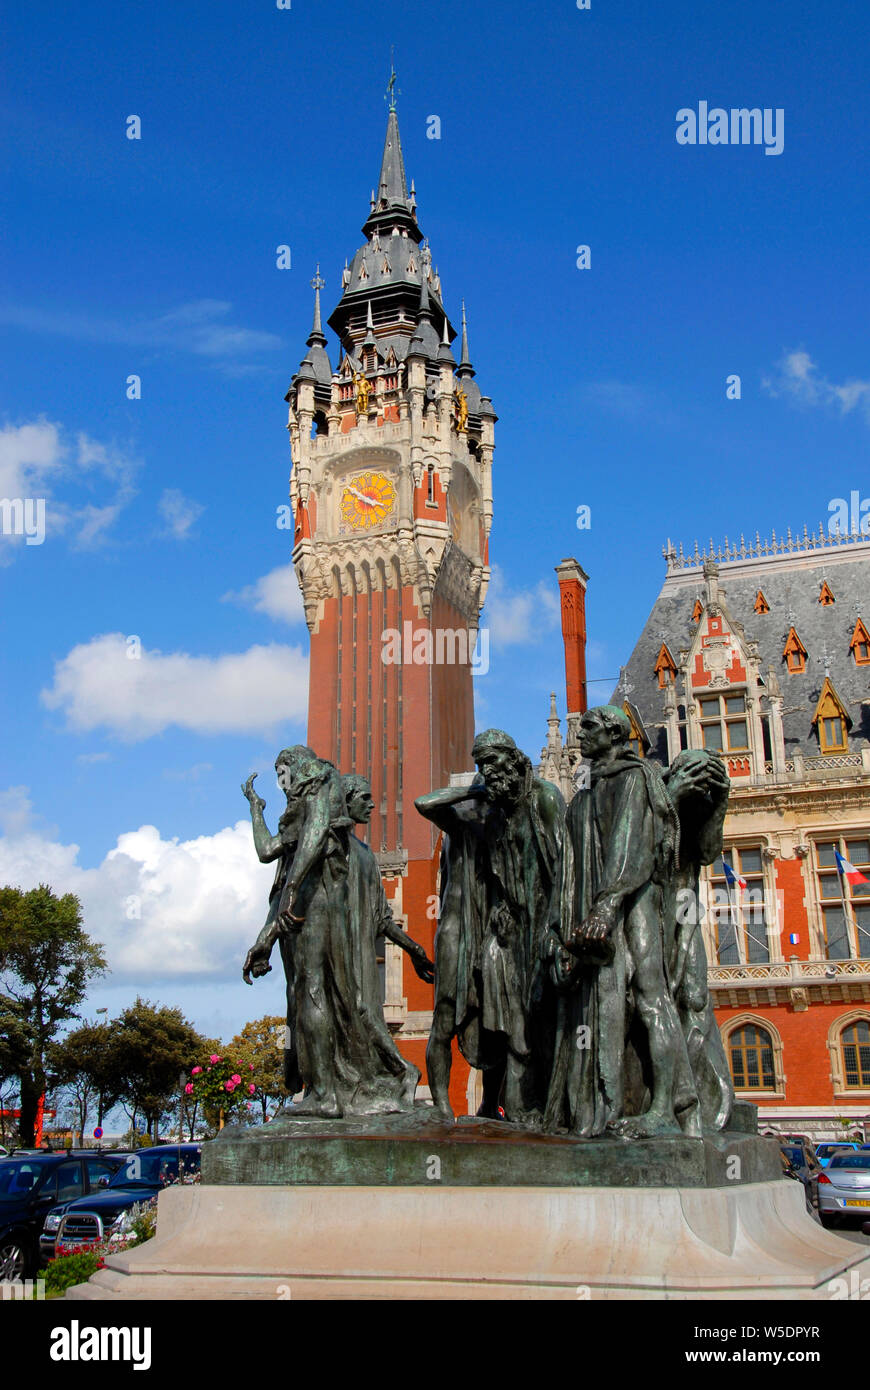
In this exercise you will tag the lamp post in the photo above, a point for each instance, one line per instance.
(182, 1081)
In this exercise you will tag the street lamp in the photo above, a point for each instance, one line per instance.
(182, 1081)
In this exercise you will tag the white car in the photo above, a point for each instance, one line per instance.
(844, 1188)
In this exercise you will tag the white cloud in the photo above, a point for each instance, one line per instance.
(199, 327)
(276, 594)
(521, 616)
(179, 513)
(97, 685)
(797, 378)
(35, 459)
(163, 909)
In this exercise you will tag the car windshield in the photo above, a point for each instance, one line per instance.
(792, 1153)
(18, 1177)
(850, 1160)
(825, 1149)
(147, 1170)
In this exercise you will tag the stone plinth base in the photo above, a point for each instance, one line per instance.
(751, 1241)
(416, 1148)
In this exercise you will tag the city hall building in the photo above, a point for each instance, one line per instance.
(761, 652)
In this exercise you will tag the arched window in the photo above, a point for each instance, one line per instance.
(430, 483)
(855, 1054)
(750, 1052)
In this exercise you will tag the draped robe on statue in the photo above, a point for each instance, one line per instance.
(497, 875)
(333, 992)
(618, 859)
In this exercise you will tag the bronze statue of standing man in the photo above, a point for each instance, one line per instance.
(503, 834)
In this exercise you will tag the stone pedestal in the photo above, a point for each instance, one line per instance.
(754, 1241)
(409, 1208)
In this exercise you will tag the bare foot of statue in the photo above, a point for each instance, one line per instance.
(648, 1126)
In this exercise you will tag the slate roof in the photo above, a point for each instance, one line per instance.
(791, 583)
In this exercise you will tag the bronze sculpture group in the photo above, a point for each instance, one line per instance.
(569, 963)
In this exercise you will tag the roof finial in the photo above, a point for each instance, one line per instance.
(391, 93)
(317, 335)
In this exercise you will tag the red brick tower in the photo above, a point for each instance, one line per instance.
(392, 494)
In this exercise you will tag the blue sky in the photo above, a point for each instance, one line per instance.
(156, 257)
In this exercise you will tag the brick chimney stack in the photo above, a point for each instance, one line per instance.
(572, 593)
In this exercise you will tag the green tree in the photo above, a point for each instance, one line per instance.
(15, 1049)
(84, 1066)
(152, 1046)
(47, 960)
(262, 1043)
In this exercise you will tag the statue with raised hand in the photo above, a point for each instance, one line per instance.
(502, 839)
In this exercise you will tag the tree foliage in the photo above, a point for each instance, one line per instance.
(84, 1066)
(47, 961)
(151, 1048)
(261, 1043)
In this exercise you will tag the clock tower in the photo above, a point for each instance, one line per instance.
(391, 487)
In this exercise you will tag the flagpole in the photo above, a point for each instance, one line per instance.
(738, 935)
(849, 936)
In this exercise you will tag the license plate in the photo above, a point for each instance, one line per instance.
(858, 1202)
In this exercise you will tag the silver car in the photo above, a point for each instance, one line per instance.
(844, 1188)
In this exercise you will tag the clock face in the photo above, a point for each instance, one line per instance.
(367, 500)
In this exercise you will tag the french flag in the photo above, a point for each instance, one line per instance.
(732, 879)
(848, 870)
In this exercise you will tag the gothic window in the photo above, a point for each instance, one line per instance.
(832, 721)
(794, 653)
(826, 597)
(430, 484)
(844, 906)
(739, 914)
(860, 645)
(724, 726)
(855, 1054)
(761, 604)
(750, 1053)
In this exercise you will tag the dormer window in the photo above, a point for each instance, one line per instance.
(860, 645)
(761, 604)
(697, 611)
(826, 598)
(832, 721)
(665, 667)
(794, 653)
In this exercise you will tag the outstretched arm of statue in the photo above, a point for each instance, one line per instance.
(424, 967)
(442, 807)
(310, 848)
(268, 846)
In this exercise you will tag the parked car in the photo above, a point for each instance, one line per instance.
(844, 1188)
(87, 1220)
(803, 1165)
(30, 1185)
(825, 1152)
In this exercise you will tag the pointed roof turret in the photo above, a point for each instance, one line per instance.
(317, 334)
(465, 367)
(444, 353)
(369, 339)
(315, 365)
